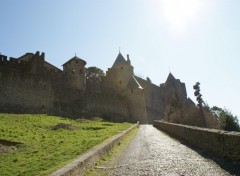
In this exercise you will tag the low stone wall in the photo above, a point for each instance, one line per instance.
(79, 166)
(223, 143)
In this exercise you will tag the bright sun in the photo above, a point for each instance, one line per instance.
(179, 12)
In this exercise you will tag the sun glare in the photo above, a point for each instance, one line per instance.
(179, 12)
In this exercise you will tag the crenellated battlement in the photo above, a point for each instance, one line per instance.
(11, 61)
(4, 58)
(42, 55)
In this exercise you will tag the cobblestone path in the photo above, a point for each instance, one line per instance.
(152, 152)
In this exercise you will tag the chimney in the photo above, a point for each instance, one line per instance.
(128, 60)
(43, 55)
(37, 53)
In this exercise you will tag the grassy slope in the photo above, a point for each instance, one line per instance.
(45, 150)
(106, 165)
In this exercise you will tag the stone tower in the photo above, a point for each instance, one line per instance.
(75, 70)
(120, 77)
(120, 73)
(174, 86)
(134, 93)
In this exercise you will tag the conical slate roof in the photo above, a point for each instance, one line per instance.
(133, 84)
(119, 61)
(170, 78)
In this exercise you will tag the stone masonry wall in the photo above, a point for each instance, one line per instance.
(31, 85)
(78, 104)
(32, 93)
(137, 107)
(25, 93)
(222, 143)
(155, 105)
(107, 105)
(103, 101)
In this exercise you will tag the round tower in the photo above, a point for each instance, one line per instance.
(136, 101)
(75, 70)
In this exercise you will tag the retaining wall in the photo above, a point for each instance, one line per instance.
(86, 161)
(223, 143)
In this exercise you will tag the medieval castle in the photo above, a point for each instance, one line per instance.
(29, 84)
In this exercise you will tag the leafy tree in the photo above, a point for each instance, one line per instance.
(215, 117)
(94, 73)
(180, 112)
(216, 110)
(227, 120)
(232, 123)
(174, 109)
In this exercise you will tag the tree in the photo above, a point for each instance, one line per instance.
(232, 123)
(94, 73)
(227, 120)
(183, 113)
(175, 109)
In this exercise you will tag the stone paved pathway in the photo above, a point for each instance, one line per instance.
(151, 152)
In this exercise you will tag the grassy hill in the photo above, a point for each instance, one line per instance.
(40, 144)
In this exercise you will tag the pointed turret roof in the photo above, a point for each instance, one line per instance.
(120, 61)
(170, 78)
(133, 83)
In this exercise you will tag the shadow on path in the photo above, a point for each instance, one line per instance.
(232, 167)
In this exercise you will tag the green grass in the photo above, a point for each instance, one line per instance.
(111, 159)
(44, 150)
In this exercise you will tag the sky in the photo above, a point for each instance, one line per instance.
(195, 40)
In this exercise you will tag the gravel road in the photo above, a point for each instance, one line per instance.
(152, 152)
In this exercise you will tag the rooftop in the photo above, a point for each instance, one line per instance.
(75, 58)
(120, 60)
(133, 83)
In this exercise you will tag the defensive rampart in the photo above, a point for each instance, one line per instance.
(226, 144)
(29, 84)
(25, 93)
(45, 93)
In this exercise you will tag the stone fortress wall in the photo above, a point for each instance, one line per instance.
(21, 90)
(25, 93)
(29, 84)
